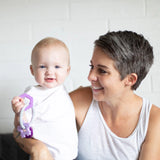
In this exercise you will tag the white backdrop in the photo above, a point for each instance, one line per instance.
(78, 23)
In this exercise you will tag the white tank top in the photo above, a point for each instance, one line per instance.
(98, 142)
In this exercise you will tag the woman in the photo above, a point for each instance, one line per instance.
(113, 122)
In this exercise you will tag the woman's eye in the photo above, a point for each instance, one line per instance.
(42, 66)
(101, 70)
(91, 66)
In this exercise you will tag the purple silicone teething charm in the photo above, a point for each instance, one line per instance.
(25, 130)
(30, 99)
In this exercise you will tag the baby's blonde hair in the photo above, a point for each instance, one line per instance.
(49, 41)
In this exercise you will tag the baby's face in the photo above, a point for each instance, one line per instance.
(50, 66)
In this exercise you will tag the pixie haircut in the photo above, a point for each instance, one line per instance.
(130, 51)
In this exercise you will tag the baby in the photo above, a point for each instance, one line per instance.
(54, 116)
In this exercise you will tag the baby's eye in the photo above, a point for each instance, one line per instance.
(42, 66)
(57, 66)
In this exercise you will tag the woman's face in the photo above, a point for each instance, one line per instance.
(105, 79)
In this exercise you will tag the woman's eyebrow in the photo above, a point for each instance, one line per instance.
(103, 66)
(100, 65)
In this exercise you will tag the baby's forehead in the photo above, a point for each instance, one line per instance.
(57, 53)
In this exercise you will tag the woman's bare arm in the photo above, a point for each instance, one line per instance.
(81, 99)
(36, 149)
(151, 146)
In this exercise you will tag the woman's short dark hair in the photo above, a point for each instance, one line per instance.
(130, 51)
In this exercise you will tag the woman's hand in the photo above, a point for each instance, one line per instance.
(36, 149)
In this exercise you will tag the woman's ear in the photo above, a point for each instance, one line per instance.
(131, 79)
(31, 69)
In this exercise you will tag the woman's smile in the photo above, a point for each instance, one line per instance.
(96, 89)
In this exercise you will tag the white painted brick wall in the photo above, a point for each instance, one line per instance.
(77, 22)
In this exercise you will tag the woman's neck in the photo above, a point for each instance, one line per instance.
(120, 107)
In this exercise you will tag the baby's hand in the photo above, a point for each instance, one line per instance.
(17, 104)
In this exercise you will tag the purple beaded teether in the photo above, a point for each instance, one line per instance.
(25, 130)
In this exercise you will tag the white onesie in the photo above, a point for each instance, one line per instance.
(54, 121)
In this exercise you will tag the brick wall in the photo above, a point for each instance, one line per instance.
(78, 23)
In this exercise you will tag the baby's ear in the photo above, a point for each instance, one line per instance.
(31, 69)
(68, 69)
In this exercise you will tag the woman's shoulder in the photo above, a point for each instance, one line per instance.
(154, 119)
(81, 98)
(154, 125)
(82, 93)
(151, 145)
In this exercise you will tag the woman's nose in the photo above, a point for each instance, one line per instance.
(92, 75)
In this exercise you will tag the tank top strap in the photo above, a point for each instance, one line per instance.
(144, 118)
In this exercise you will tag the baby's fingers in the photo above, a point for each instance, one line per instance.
(17, 104)
(16, 99)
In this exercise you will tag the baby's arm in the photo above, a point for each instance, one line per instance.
(36, 148)
(17, 105)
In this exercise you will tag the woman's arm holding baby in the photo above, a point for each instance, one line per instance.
(36, 149)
